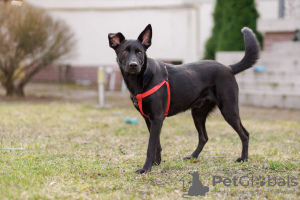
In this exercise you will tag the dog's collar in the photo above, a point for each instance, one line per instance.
(140, 97)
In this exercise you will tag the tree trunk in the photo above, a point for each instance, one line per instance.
(19, 91)
(9, 87)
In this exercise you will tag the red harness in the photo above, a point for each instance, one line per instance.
(139, 97)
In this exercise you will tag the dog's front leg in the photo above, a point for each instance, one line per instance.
(155, 129)
(159, 149)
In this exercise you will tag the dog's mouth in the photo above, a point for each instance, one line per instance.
(133, 70)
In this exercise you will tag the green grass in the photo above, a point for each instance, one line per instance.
(73, 151)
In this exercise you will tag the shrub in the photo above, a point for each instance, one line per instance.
(30, 40)
(230, 17)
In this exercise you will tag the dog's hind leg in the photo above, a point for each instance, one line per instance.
(199, 116)
(231, 114)
(158, 153)
(227, 94)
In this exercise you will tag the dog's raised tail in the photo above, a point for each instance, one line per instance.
(251, 52)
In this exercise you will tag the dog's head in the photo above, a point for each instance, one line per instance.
(131, 54)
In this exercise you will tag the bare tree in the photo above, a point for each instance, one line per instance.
(30, 40)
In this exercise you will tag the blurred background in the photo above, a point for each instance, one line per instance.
(183, 31)
(55, 60)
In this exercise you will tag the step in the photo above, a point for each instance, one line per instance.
(287, 47)
(270, 99)
(280, 53)
(269, 75)
(268, 85)
(281, 64)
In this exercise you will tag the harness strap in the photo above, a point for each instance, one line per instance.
(169, 99)
(140, 97)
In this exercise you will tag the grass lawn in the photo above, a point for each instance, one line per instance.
(74, 151)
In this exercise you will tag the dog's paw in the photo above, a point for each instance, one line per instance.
(142, 171)
(241, 160)
(157, 161)
(146, 167)
(189, 158)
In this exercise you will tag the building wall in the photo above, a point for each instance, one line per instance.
(82, 75)
(283, 26)
(271, 37)
(173, 33)
(267, 9)
(180, 27)
(180, 30)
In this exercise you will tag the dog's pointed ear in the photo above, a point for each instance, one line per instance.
(146, 36)
(115, 39)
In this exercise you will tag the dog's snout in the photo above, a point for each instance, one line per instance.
(133, 65)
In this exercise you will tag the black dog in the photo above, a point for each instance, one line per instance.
(198, 86)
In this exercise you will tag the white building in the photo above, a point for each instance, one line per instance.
(180, 27)
(180, 30)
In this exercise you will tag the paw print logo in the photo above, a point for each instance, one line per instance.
(261, 181)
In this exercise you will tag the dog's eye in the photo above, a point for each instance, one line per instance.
(139, 53)
(125, 52)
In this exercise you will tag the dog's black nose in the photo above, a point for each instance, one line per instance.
(133, 65)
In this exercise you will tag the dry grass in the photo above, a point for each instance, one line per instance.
(74, 151)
